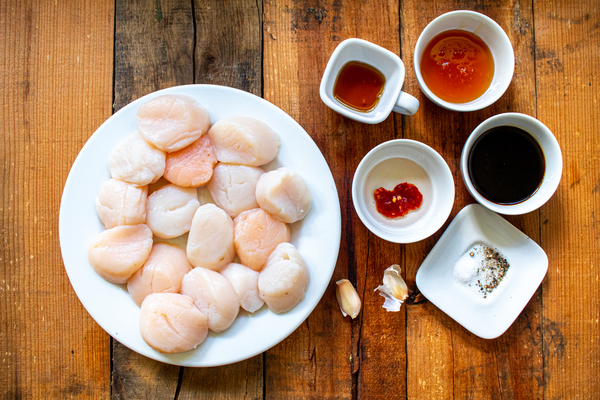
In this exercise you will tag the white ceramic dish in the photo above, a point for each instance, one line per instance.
(388, 63)
(490, 317)
(317, 236)
(552, 156)
(398, 161)
(492, 34)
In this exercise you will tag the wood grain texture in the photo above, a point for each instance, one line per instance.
(567, 38)
(153, 50)
(56, 76)
(382, 341)
(137, 377)
(318, 359)
(296, 367)
(55, 80)
(154, 47)
(242, 380)
(444, 359)
(227, 52)
(329, 356)
(229, 44)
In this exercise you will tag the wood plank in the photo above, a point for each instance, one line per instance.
(153, 50)
(228, 52)
(137, 377)
(329, 356)
(306, 364)
(242, 380)
(55, 53)
(382, 346)
(383, 335)
(56, 84)
(229, 44)
(567, 37)
(445, 360)
(154, 46)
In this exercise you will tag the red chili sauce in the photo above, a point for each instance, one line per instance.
(399, 201)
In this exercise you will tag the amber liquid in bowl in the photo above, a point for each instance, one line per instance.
(359, 86)
(457, 66)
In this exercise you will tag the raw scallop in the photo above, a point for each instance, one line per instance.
(136, 162)
(170, 210)
(213, 295)
(284, 194)
(233, 187)
(171, 323)
(172, 122)
(257, 234)
(162, 272)
(284, 280)
(118, 253)
(193, 165)
(245, 283)
(121, 203)
(244, 140)
(210, 243)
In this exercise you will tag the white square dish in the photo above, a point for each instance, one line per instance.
(486, 317)
(386, 62)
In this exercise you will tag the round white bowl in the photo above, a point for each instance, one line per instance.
(398, 161)
(552, 156)
(492, 34)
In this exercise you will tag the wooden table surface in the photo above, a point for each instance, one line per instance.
(66, 66)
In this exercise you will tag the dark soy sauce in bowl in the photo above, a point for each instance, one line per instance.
(506, 165)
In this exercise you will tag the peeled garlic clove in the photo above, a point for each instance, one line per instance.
(347, 298)
(394, 289)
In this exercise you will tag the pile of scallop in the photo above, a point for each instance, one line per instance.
(184, 293)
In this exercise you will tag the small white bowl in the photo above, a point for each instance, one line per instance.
(495, 38)
(490, 317)
(398, 161)
(552, 156)
(388, 63)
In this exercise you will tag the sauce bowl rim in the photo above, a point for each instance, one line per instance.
(330, 74)
(442, 201)
(552, 155)
(508, 63)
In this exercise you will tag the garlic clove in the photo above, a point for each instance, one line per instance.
(394, 289)
(347, 298)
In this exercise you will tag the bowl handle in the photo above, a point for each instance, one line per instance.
(406, 104)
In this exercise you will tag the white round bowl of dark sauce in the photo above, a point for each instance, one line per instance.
(511, 164)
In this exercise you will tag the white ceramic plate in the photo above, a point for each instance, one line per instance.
(317, 236)
(490, 317)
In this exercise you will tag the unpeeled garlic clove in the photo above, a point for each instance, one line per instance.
(347, 298)
(394, 289)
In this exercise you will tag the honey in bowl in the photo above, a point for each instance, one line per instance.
(457, 66)
(359, 86)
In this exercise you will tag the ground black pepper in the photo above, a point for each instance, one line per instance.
(482, 268)
(493, 268)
